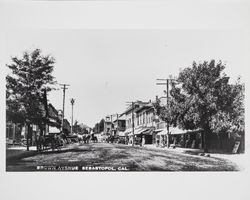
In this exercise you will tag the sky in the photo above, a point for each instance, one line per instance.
(112, 52)
(106, 68)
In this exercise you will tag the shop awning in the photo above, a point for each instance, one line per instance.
(163, 132)
(138, 132)
(177, 131)
(53, 130)
(174, 131)
(148, 131)
(122, 134)
(158, 130)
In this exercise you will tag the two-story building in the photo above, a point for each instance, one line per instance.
(108, 126)
(144, 124)
(139, 122)
(119, 129)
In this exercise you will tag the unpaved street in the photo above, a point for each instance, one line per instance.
(105, 157)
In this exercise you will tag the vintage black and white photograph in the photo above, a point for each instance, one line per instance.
(125, 100)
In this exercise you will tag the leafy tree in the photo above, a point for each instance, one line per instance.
(199, 96)
(27, 86)
(66, 127)
(232, 121)
(95, 128)
(80, 128)
(101, 125)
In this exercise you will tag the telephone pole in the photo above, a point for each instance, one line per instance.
(64, 87)
(133, 125)
(72, 101)
(166, 83)
(117, 127)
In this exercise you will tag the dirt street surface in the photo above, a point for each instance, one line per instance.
(116, 157)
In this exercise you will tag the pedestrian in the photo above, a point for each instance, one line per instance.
(143, 140)
(157, 142)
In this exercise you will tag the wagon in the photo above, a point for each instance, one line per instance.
(47, 142)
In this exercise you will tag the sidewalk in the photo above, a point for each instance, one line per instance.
(238, 159)
(15, 152)
(18, 152)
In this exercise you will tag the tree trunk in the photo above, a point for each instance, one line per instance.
(206, 133)
(28, 137)
(167, 138)
(205, 145)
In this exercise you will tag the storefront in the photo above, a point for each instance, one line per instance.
(161, 137)
(122, 137)
(142, 136)
(179, 137)
(186, 138)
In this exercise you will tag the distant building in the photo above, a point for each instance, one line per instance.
(119, 125)
(108, 126)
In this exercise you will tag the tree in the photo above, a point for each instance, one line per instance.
(232, 120)
(27, 86)
(95, 128)
(200, 94)
(101, 125)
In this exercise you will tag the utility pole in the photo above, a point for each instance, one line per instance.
(111, 125)
(166, 83)
(111, 119)
(117, 127)
(72, 101)
(133, 125)
(64, 87)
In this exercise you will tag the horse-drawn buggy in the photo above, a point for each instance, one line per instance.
(72, 139)
(51, 141)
